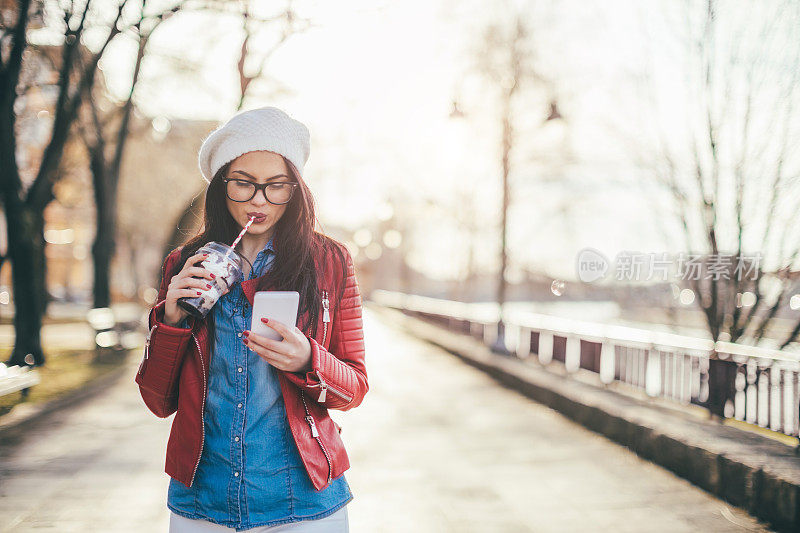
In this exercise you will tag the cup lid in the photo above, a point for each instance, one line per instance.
(225, 250)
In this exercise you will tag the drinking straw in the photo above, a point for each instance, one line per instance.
(241, 234)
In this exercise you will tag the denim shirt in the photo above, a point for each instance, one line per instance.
(250, 472)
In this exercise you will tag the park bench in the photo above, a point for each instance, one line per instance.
(114, 328)
(14, 378)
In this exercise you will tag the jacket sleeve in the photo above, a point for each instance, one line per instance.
(340, 370)
(164, 351)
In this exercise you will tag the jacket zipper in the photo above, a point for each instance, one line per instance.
(202, 409)
(315, 434)
(146, 348)
(147, 342)
(324, 387)
(326, 317)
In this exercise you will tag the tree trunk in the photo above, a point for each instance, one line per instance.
(26, 253)
(104, 243)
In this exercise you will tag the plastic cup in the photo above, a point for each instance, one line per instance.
(226, 265)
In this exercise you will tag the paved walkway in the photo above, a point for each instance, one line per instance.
(436, 447)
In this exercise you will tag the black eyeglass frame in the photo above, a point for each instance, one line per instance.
(261, 187)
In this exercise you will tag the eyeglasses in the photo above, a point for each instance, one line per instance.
(276, 192)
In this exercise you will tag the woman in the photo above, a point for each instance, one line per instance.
(252, 447)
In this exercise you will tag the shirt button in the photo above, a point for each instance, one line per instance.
(238, 334)
(236, 438)
(239, 406)
(239, 369)
(236, 474)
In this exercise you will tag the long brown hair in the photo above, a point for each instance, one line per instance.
(295, 240)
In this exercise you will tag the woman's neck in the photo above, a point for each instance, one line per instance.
(250, 245)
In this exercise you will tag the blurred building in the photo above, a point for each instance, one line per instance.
(160, 181)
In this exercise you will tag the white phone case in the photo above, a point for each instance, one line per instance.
(274, 305)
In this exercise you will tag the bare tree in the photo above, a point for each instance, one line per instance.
(105, 139)
(726, 160)
(507, 60)
(288, 24)
(24, 208)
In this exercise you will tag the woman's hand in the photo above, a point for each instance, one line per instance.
(183, 284)
(292, 354)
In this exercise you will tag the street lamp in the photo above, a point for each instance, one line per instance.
(456, 111)
(553, 115)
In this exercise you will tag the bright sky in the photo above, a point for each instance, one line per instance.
(374, 82)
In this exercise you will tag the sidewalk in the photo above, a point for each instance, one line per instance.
(756, 473)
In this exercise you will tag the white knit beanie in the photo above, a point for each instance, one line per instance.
(265, 128)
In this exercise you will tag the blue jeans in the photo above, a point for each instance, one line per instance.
(336, 522)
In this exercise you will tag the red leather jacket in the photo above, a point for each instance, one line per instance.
(173, 376)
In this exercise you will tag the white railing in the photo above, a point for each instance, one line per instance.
(749, 383)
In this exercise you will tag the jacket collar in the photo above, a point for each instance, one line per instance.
(249, 289)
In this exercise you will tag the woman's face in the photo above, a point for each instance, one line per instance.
(259, 166)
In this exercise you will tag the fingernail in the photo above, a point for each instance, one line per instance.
(246, 333)
(265, 320)
(245, 341)
(208, 285)
(199, 293)
(213, 276)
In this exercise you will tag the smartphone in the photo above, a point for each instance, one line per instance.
(274, 305)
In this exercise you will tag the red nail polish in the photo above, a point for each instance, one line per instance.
(208, 285)
(265, 320)
(245, 341)
(246, 333)
(213, 276)
(199, 293)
